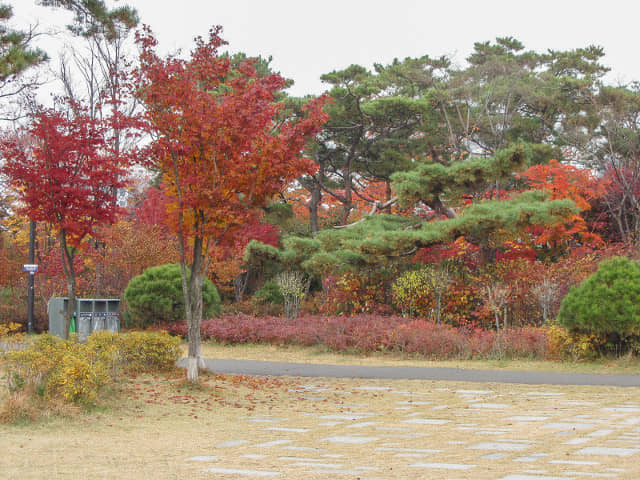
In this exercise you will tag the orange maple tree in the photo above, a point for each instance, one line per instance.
(563, 180)
(221, 151)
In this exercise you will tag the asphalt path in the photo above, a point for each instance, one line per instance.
(252, 367)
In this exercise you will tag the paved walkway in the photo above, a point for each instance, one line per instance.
(252, 367)
(375, 429)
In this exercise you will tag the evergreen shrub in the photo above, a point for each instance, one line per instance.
(606, 304)
(156, 296)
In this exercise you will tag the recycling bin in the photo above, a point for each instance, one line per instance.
(91, 314)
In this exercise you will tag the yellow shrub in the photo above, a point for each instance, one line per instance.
(572, 345)
(150, 351)
(66, 370)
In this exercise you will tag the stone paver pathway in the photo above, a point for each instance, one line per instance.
(437, 431)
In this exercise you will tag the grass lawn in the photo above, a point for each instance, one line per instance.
(158, 427)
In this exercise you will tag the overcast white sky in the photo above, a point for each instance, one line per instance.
(309, 38)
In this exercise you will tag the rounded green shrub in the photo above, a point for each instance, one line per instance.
(269, 293)
(156, 296)
(607, 303)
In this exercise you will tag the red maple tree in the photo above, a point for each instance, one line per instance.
(65, 173)
(223, 149)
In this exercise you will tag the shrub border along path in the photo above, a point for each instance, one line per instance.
(254, 367)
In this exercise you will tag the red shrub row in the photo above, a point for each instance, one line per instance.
(370, 333)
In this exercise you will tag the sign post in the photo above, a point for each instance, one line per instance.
(32, 269)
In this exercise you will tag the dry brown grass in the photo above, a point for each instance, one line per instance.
(152, 425)
(159, 422)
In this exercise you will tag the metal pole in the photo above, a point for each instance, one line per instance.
(32, 256)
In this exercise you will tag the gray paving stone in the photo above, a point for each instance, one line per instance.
(231, 443)
(593, 474)
(349, 439)
(533, 457)
(442, 466)
(519, 476)
(350, 416)
(573, 462)
(362, 425)
(494, 456)
(490, 406)
(569, 426)
(631, 421)
(500, 446)
(528, 418)
(577, 441)
(237, 471)
(273, 443)
(621, 409)
(341, 472)
(301, 459)
(287, 429)
(427, 421)
(618, 452)
(408, 450)
(323, 466)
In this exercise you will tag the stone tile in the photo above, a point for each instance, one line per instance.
(231, 443)
(573, 462)
(569, 426)
(362, 425)
(494, 456)
(427, 421)
(408, 450)
(601, 433)
(350, 416)
(592, 474)
(489, 406)
(621, 409)
(473, 392)
(323, 466)
(528, 418)
(520, 476)
(533, 457)
(357, 471)
(443, 466)
(254, 456)
(349, 439)
(618, 452)
(411, 402)
(301, 459)
(201, 458)
(287, 429)
(236, 471)
(500, 446)
(274, 443)
(577, 441)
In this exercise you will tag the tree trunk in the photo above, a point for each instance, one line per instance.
(316, 197)
(70, 275)
(192, 290)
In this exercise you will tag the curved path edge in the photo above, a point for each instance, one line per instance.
(254, 367)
